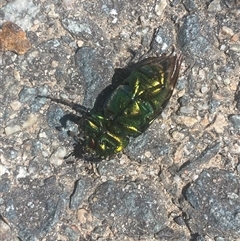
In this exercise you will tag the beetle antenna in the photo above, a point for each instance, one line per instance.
(78, 108)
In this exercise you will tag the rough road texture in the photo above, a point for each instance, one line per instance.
(178, 181)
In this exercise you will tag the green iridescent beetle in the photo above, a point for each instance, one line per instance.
(129, 108)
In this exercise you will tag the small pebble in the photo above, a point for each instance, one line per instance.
(56, 161)
(9, 130)
(177, 136)
(235, 149)
(184, 100)
(214, 6)
(54, 64)
(220, 123)
(223, 47)
(13, 38)
(22, 172)
(202, 74)
(188, 121)
(58, 156)
(204, 89)
(235, 37)
(3, 170)
(226, 81)
(235, 48)
(235, 120)
(80, 43)
(83, 216)
(186, 109)
(17, 75)
(15, 105)
(61, 152)
(159, 7)
(32, 119)
(227, 31)
(179, 220)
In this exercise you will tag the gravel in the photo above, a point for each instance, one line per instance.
(178, 180)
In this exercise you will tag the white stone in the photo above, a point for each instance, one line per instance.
(9, 130)
(22, 172)
(3, 169)
(159, 7)
(32, 119)
(21, 12)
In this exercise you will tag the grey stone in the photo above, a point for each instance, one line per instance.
(81, 189)
(142, 206)
(215, 208)
(235, 120)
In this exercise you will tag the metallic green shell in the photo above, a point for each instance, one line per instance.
(131, 107)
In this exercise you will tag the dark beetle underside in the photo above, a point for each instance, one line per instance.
(128, 107)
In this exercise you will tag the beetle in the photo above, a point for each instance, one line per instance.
(127, 107)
